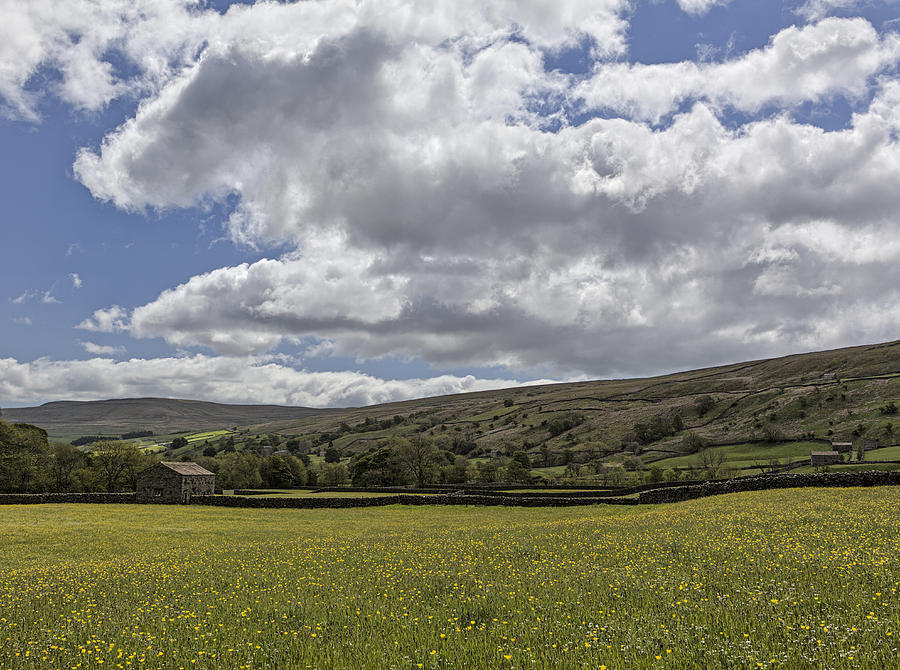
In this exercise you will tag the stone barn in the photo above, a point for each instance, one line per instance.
(820, 458)
(174, 483)
(842, 447)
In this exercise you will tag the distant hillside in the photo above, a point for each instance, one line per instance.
(70, 419)
(803, 399)
(840, 394)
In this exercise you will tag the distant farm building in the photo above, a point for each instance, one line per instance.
(842, 447)
(820, 458)
(868, 445)
(174, 483)
(830, 376)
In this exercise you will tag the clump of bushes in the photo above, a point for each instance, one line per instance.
(560, 424)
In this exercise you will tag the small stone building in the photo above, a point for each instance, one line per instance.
(842, 447)
(820, 458)
(174, 483)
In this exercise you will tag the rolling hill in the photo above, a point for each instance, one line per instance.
(753, 412)
(70, 419)
(779, 408)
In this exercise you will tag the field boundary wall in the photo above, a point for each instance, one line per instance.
(663, 494)
(45, 498)
(824, 479)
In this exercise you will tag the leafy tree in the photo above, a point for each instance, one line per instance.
(560, 424)
(516, 472)
(772, 433)
(486, 472)
(179, 442)
(632, 462)
(672, 475)
(444, 443)
(114, 461)
(65, 460)
(712, 462)
(458, 472)
(418, 457)
(523, 459)
(377, 468)
(299, 473)
(332, 454)
(24, 453)
(238, 470)
(139, 462)
(334, 474)
(278, 472)
(692, 443)
(704, 404)
(612, 474)
(463, 443)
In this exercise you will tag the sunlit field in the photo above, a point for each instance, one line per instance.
(787, 579)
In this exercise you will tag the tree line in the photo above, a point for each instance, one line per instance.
(30, 463)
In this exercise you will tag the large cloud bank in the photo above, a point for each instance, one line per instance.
(448, 197)
(220, 379)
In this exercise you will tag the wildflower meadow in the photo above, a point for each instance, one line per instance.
(778, 579)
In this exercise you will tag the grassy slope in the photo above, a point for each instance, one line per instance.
(788, 393)
(773, 579)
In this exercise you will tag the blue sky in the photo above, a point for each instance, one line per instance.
(324, 204)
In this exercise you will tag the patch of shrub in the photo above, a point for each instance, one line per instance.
(560, 424)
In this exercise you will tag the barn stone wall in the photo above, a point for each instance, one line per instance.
(161, 484)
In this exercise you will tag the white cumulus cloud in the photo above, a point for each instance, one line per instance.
(445, 196)
(700, 6)
(809, 63)
(219, 379)
(101, 349)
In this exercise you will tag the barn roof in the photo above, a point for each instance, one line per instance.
(186, 468)
(812, 453)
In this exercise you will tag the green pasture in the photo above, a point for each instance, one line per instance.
(793, 579)
(207, 435)
(850, 467)
(748, 454)
(884, 454)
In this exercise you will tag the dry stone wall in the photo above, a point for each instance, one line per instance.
(47, 498)
(825, 479)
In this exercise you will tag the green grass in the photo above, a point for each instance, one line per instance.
(850, 467)
(550, 472)
(207, 435)
(748, 454)
(788, 579)
(884, 454)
